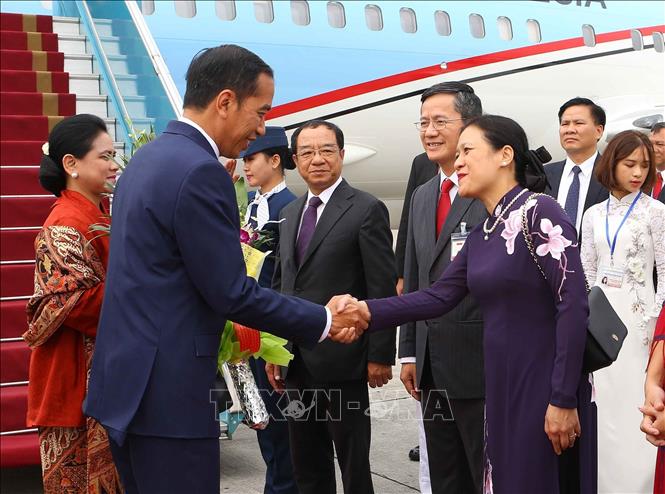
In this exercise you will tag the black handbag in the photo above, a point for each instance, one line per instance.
(605, 332)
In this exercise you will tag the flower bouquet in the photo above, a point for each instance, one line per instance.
(239, 342)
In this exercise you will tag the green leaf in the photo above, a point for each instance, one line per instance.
(241, 198)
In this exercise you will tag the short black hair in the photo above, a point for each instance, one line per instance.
(467, 103)
(224, 67)
(313, 124)
(597, 113)
(657, 127)
(73, 135)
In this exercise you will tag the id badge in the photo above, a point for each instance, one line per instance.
(457, 241)
(611, 276)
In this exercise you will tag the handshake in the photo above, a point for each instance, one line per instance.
(350, 318)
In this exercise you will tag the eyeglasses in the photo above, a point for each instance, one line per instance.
(438, 124)
(325, 152)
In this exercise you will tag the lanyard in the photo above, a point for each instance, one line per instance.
(612, 245)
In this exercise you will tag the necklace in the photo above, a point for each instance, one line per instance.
(502, 211)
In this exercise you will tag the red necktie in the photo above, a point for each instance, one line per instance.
(659, 185)
(444, 205)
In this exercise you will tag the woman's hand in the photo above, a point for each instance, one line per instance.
(562, 426)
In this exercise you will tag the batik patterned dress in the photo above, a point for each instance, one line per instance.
(62, 323)
(625, 459)
(534, 337)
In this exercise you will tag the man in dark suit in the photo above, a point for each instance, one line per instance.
(572, 181)
(334, 238)
(422, 169)
(175, 274)
(442, 359)
(657, 138)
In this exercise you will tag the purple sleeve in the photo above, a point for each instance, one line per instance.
(555, 243)
(435, 301)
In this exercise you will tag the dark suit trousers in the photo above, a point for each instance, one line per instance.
(274, 439)
(454, 432)
(162, 465)
(335, 413)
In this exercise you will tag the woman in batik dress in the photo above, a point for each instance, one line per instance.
(63, 313)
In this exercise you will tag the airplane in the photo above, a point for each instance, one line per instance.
(364, 66)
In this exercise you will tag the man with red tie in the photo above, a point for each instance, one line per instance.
(657, 138)
(442, 359)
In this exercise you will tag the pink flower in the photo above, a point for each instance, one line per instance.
(512, 228)
(244, 236)
(556, 242)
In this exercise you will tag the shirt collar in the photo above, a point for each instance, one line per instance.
(586, 166)
(453, 178)
(326, 194)
(200, 129)
(627, 199)
(276, 189)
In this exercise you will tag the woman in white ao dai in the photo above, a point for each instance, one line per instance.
(625, 272)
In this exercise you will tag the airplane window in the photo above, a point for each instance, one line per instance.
(148, 7)
(658, 42)
(636, 38)
(263, 11)
(336, 15)
(533, 30)
(300, 12)
(373, 17)
(442, 23)
(505, 28)
(589, 35)
(477, 25)
(407, 19)
(185, 8)
(225, 9)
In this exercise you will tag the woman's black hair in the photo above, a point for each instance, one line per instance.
(285, 157)
(502, 131)
(73, 135)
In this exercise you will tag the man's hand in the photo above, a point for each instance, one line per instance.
(378, 374)
(348, 322)
(274, 374)
(230, 166)
(408, 377)
(562, 426)
(400, 286)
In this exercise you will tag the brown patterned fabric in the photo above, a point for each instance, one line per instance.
(78, 460)
(66, 265)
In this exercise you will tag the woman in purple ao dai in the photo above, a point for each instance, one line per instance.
(540, 430)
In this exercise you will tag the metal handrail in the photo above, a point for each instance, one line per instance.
(155, 57)
(98, 50)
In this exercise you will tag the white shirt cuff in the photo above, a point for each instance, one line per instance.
(407, 360)
(324, 335)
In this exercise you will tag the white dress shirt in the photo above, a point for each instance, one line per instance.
(453, 194)
(324, 196)
(186, 120)
(200, 129)
(585, 179)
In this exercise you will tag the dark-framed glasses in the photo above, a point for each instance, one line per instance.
(326, 152)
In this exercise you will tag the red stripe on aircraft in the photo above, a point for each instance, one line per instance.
(467, 63)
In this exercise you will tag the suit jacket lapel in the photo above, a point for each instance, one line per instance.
(428, 225)
(595, 189)
(457, 210)
(555, 183)
(338, 204)
(290, 227)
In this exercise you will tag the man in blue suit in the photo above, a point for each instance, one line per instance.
(176, 273)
